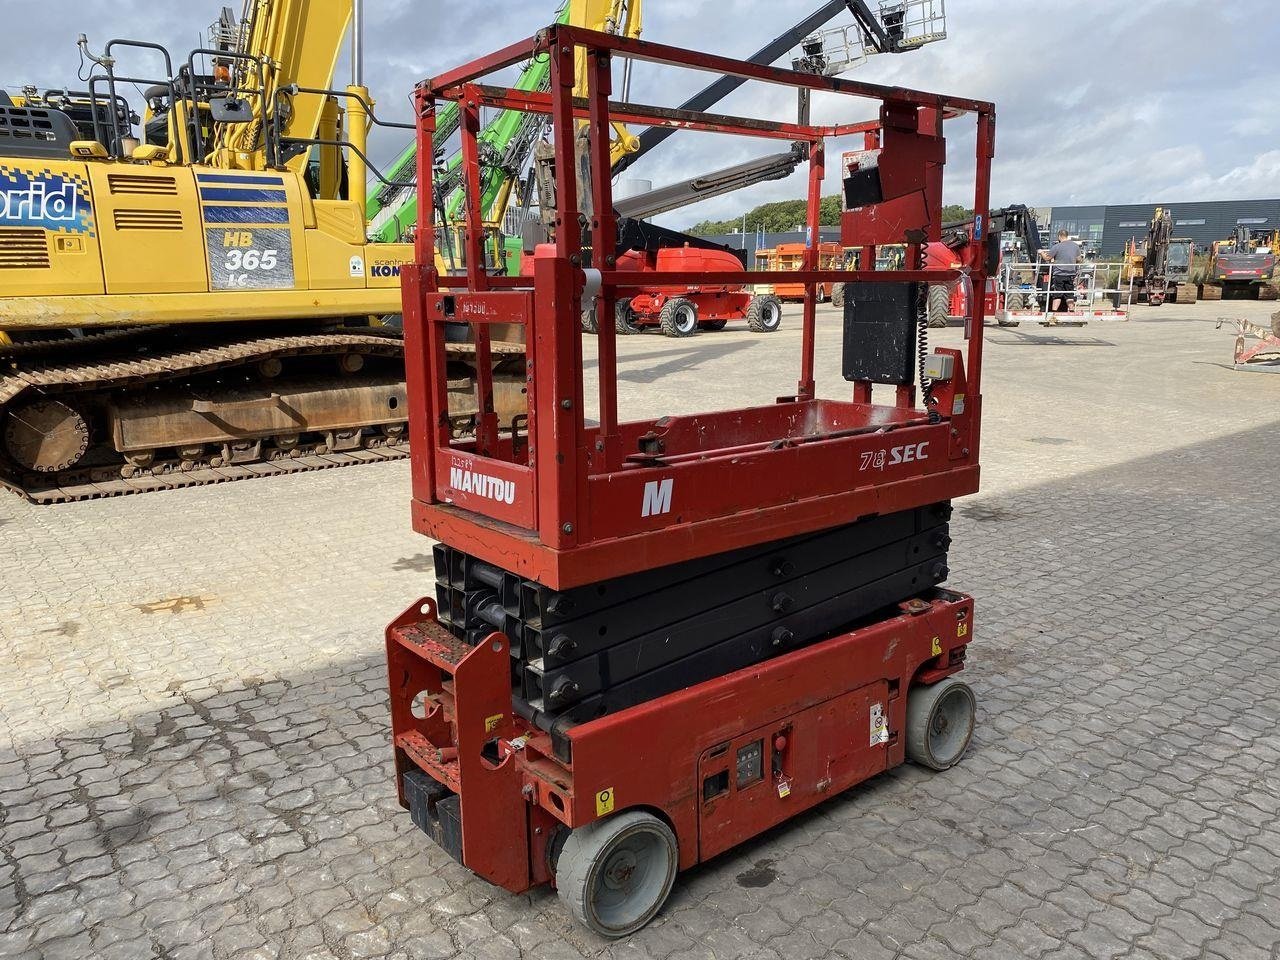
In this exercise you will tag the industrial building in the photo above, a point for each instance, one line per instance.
(1110, 227)
(1107, 227)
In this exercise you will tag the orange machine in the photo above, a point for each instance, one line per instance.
(790, 256)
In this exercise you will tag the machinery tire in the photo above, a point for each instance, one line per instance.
(715, 324)
(624, 319)
(939, 304)
(1014, 301)
(837, 295)
(764, 314)
(940, 723)
(679, 317)
(615, 874)
(589, 323)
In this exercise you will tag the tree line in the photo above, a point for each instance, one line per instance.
(786, 215)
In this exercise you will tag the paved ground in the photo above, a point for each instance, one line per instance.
(194, 760)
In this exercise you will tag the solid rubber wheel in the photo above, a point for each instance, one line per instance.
(939, 305)
(764, 314)
(940, 723)
(679, 318)
(624, 318)
(614, 875)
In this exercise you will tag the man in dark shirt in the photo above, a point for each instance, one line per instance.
(1063, 255)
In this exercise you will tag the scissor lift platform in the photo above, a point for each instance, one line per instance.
(603, 753)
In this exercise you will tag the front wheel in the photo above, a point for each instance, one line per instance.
(939, 305)
(614, 875)
(624, 318)
(764, 314)
(940, 723)
(679, 318)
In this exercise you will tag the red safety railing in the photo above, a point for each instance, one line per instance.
(566, 502)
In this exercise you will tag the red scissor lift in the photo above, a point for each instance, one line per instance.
(651, 640)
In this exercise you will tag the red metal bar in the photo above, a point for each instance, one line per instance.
(564, 36)
(509, 55)
(848, 129)
(469, 112)
(641, 115)
(633, 278)
(417, 280)
(985, 153)
(495, 283)
(557, 325)
(817, 170)
(424, 245)
(418, 371)
(603, 231)
(862, 390)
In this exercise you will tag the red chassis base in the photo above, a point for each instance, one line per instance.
(718, 762)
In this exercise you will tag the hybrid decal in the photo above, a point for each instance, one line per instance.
(909, 453)
(496, 489)
(49, 201)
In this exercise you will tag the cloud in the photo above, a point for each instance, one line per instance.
(1098, 102)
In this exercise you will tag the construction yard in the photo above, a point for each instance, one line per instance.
(194, 740)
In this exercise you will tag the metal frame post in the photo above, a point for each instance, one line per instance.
(603, 244)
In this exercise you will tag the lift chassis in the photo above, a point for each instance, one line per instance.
(651, 640)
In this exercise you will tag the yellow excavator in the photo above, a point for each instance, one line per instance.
(191, 295)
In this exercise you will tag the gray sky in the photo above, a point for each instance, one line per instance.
(1099, 101)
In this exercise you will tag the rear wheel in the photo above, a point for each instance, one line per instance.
(939, 305)
(679, 318)
(764, 314)
(614, 875)
(940, 723)
(624, 318)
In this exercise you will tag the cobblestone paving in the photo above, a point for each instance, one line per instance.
(194, 760)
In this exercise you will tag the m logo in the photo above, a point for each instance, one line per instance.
(657, 498)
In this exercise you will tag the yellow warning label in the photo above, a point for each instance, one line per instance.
(962, 629)
(937, 646)
(491, 723)
(604, 802)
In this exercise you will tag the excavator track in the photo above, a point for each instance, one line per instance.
(63, 402)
